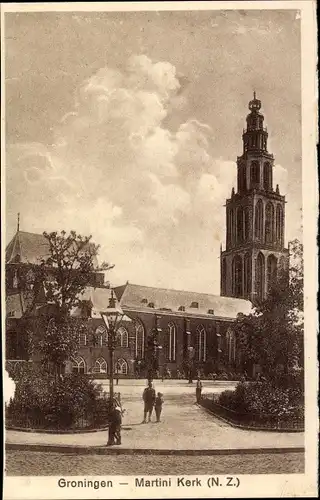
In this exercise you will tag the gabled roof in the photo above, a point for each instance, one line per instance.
(27, 248)
(141, 297)
(30, 248)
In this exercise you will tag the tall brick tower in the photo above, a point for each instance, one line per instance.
(255, 216)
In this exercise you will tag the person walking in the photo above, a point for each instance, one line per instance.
(158, 405)
(198, 389)
(115, 423)
(149, 396)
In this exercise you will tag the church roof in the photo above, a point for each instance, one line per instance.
(30, 248)
(27, 248)
(179, 301)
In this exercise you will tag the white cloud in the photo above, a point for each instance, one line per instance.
(153, 198)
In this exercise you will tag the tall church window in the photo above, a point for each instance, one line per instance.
(260, 275)
(267, 179)
(172, 334)
(201, 343)
(269, 226)
(242, 181)
(246, 224)
(247, 274)
(258, 222)
(224, 277)
(279, 221)
(122, 337)
(255, 174)
(237, 276)
(232, 225)
(239, 225)
(228, 227)
(271, 270)
(139, 340)
(231, 346)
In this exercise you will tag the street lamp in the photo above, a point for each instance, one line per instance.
(190, 359)
(112, 317)
(153, 351)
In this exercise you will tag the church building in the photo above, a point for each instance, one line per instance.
(188, 327)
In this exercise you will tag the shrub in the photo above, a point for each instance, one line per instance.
(42, 400)
(264, 399)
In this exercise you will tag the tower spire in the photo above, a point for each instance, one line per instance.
(18, 222)
(254, 94)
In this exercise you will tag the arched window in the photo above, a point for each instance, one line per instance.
(139, 340)
(279, 220)
(224, 276)
(122, 367)
(122, 337)
(201, 343)
(232, 226)
(100, 366)
(246, 223)
(237, 276)
(247, 275)
(101, 336)
(255, 174)
(267, 176)
(231, 345)
(78, 365)
(258, 220)
(239, 225)
(172, 333)
(269, 226)
(271, 270)
(260, 276)
(242, 181)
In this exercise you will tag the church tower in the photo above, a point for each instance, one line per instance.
(255, 216)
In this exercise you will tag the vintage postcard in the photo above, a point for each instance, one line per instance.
(159, 255)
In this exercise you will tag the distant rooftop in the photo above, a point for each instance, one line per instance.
(140, 297)
(29, 248)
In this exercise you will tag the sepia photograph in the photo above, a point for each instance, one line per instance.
(157, 184)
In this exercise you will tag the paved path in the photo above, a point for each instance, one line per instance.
(33, 463)
(183, 426)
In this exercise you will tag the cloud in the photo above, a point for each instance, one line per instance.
(152, 197)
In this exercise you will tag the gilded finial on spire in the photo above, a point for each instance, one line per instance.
(18, 222)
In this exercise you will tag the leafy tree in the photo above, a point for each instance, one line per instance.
(272, 335)
(60, 279)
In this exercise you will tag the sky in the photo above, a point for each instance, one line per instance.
(127, 126)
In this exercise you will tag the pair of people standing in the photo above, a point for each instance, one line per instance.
(151, 400)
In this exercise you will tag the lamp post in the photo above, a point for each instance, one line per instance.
(190, 362)
(112, 317)
(153, 350)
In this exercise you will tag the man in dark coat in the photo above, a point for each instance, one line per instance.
(115, 423)
(149, 397)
